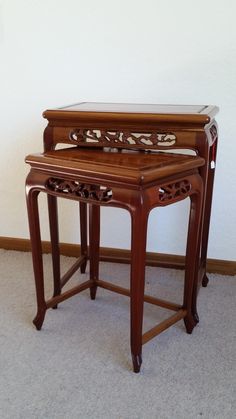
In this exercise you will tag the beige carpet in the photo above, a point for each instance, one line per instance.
(79, 365)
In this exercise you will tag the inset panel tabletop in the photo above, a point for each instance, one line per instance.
(133, 112)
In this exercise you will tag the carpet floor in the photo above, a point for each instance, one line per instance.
(79, 364)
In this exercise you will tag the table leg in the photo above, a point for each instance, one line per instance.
(139, 221)
(206, 223)
(54, 235)
(36, 246)
(94, 242)
(83, 234)
(192, 262)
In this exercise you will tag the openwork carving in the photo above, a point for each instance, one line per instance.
(75, 188)
(175, 190)
(123, 138)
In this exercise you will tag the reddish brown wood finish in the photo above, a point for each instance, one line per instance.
(193, 127)
(137, 182)
(94, 238)
(54, 236)
(54, 228)
(83, 235)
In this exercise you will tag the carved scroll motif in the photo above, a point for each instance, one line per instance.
(75, 188)
(119, 138)
(174, 191)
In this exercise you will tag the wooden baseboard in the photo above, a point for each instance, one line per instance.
(223, 267)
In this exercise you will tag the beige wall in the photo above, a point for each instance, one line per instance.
(56, 52)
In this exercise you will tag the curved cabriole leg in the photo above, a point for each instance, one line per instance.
(94, 241)
(54, 235)
(139, 217)
(192, 262)
(36, 247)
(83, 235)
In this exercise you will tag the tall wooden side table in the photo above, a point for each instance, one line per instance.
(153, 127)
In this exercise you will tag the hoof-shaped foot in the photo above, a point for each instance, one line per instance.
(205, 281)
(93, 292)
(190, 323)
(38, 320)
(195, 316)
(137, 362)
(56, 294)
(83, 267)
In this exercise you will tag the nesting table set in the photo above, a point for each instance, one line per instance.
(119, 155)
